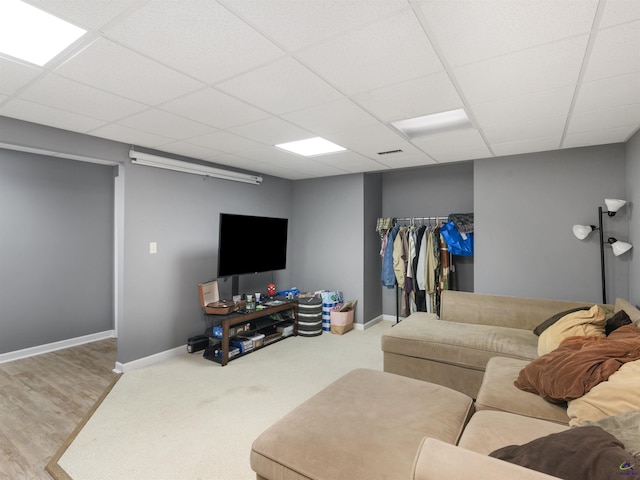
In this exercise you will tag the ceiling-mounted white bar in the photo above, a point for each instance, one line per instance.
(193, 168)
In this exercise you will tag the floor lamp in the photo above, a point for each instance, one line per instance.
(618, 247)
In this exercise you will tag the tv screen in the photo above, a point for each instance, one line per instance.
(251, 244)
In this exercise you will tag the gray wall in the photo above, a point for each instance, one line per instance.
(525, 203)
(180, 212)
(426, 192)
(328, 236)
(372, 307)
(525, 207)
(56, 249)
(633, 196)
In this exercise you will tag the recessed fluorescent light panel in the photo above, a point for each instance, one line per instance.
(30, 34)
(311, 147)
(435, 123)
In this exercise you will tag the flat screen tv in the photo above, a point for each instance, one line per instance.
(251, 244)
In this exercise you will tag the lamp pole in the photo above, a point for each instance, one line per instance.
(602, 273)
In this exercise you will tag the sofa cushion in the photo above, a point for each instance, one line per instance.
(489, 430)
(467, 345)
(366, 414)
(617, 395)
(499, 393)
(436, 457)
(554, 318)
(582, 322)
(633, 312)
(581, 453)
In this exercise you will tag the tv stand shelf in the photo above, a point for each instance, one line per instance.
(236, 318)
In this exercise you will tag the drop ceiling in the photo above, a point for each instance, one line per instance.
(224, 81)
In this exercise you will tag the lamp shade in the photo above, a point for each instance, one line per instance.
(583, 231)
(613, 205)
(619, 247)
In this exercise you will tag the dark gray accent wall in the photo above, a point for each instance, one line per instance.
(372, 304)
(633, 196)
(426, 192)
(56, 249)
(525, 207)
(328, 236)
(180, 212)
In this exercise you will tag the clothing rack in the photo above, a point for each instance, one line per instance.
(412, 221)
(421, 219)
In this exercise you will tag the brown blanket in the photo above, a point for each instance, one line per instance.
(579, 364)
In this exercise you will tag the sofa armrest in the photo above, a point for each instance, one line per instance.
(436, 460)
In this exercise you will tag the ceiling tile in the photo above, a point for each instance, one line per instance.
(113, 68)
(331, 118)
(599, 137)
(34, 112)
(165, 124)
(526, 146)
(14, 76)
(271, 131)
(373, 141)
(610, 92)
(540, 128)
(393, 161)
(295, 24)
(620, 11)
(123, 134)
(421, 96)
(64, 94)
(615, 52)
(522, 73)
(224, 142)
(281, 87)
(197, 37)
(468, 145)
(470, 31)
(626, 116)
(211, 107)
(524, 108)
(272, 156)
(350, 162)
(384, 53)
(83, 13)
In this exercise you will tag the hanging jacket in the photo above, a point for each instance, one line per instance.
(388, 274)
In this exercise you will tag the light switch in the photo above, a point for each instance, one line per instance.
(153, 247)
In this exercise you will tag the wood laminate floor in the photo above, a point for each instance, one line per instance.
(42, 400)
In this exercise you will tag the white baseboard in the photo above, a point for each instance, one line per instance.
(52, 347)
(160, 356)
(374, 321)
(150, 360)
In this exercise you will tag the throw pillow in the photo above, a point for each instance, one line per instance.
(617, 320)
(554, 318)
(617, 395)
(633, 312)
(581, 453)
(583, 322)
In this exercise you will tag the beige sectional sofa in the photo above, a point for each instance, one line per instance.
(460, 406)
(454, 348)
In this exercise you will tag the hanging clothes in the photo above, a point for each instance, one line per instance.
(388, 273)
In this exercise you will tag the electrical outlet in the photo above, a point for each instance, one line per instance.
(153, 247)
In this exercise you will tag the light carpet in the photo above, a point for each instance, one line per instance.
(187, 418)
